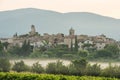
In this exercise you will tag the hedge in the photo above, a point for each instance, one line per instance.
(31, 76)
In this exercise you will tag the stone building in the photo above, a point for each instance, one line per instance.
(100, 45)
(36, 40)
(71, 31)
(33, 31)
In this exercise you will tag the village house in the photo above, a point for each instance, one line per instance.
(37, 40)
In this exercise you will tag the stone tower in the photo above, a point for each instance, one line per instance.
(71, 31)
(33, 31)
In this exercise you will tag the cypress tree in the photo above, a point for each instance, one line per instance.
(1, 46)
(76, 44)
(71, 45)
(26, 48)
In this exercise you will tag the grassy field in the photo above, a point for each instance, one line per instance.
(33, 76)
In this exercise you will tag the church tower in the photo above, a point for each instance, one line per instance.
(71, 32)
(33, 31)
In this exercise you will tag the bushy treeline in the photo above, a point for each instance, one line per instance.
(24, 50)
(29, 76)
(77, 67)
(110, 51)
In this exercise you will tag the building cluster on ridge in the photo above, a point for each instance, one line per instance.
(36, 40)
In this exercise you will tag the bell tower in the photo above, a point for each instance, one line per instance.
(33, 31)
(71, 31)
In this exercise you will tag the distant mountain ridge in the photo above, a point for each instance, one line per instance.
(51, 22)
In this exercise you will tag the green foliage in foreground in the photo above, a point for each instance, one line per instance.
(20, 66)
(29, 76)
(4, 65)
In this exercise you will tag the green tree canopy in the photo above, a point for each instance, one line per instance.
(83, 53)
(76, 44)
(4, 65)
(113, 48)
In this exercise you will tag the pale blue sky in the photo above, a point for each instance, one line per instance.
(104, 7)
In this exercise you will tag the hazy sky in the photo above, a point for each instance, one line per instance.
(103, 7)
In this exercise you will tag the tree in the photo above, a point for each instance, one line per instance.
(26, 48)
(80, 66)
(113, 48)
(14, 50)
(60, 68)
(51, 68)
(104, 53)
(3, 53)
(57, 68)
(57, 51)
(1, 46)
(71, 45)
(49, 53)
(4, 65)
(111, 71)
(37, 68)
(76, 44)
(5, 44)
(89, 47)
(83, 53)
(36, 53)
(20, 67)
(72, 69)
(81, 63)
(93, 70)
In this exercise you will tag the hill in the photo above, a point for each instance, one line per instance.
(52, 22)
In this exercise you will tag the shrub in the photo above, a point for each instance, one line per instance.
(103, 54)
(57, 68)
(111, 71)
(60, 68)
(4, 65)
(35, 54)
(29, 76)
(20, 67)
(93, 70)
(37, 68)
(67, 56)
(80, 66)
(72, 70)
(83, 53)
(51, 68)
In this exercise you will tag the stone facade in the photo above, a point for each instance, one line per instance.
(71, 31)
(36, 40)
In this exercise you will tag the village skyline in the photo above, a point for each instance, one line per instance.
(36, 39)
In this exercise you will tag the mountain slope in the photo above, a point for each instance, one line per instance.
(53, 22)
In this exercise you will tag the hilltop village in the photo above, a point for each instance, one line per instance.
(37, 40)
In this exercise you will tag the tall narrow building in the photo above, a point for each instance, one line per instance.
(71, 32)
(33, 31)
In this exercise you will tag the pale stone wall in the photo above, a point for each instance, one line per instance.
(67, 41)
(100, 46)
(88, 42)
